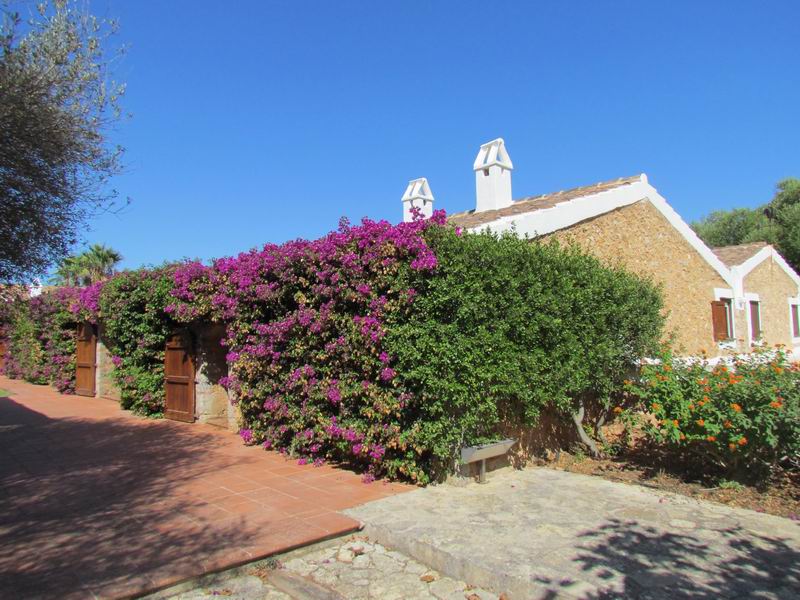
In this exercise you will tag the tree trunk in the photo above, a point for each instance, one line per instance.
(577, 418)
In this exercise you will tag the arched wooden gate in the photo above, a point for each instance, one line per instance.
(179, 374)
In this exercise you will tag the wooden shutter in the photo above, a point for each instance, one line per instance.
(755, 321)
(719, 319)
(795, 321)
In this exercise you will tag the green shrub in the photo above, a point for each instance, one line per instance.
(506, 327)
(741, 419)
(136, 329)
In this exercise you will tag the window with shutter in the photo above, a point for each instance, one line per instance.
(721, 319)
(795, 321)
(755, 320)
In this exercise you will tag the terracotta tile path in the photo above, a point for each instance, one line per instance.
(95, 502)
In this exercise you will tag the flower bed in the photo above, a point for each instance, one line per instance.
(743, 419)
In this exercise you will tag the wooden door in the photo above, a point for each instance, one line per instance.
(179, 379)
(85, 360)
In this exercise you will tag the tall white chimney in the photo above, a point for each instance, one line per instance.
(418, 195)
(493, 176)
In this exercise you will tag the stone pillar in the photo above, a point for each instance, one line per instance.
(211, 399)
(105, 387)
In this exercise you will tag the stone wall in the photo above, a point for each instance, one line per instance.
(639, 238)
(774, 287)
(105, 387)
(211, 399)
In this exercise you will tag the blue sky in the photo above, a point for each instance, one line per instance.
(259, 121)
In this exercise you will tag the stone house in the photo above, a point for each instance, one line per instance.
(767, 289)
(717, 300)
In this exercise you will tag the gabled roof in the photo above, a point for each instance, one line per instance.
(736, 255)
(470, 219)
(758, 253)
(540, 215)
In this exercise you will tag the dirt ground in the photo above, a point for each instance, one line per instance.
(780, 496)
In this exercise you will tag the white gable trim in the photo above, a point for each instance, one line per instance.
(566, 214)
(741, 271)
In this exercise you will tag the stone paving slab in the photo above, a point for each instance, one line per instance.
(353, 568)
(97, 503)
(541, 533)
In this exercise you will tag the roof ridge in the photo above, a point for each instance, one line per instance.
(528, 203)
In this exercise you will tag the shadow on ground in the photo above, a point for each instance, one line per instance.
(639, 561)
(90, 503)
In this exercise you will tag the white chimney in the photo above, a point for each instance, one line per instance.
(493, 176)
(418, 195)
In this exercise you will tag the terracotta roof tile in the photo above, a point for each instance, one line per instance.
(530, 204)
(736, 255)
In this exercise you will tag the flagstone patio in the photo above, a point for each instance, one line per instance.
(542, 534)
(95, 502)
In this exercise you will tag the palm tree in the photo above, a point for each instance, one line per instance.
(99, 262)
(70, 271)
(96, 264)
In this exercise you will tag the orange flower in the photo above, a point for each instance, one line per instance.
(711, 438)
(656, 406)
(667, 368)
(732, 446)
(683, 436)
(627, 382)
(742, 441)
(776, 404)
(736, 407)
(691, 407)
(675, 422)
(617, 409)
(700, 422)
(728, 424)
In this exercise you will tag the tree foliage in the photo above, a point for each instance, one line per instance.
(56, 106)
(96, 264)
(777, 223)
(736, 226)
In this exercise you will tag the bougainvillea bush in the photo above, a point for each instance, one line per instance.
(743, 419)
(391, 346)
(42, 339)
(135, 328)
(25, 358)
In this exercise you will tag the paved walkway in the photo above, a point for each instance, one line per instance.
(541, 533)
(95, 502)
(343, 569)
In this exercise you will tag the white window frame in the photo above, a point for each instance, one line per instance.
(727, 294)
(793, 302)
(748, 297)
